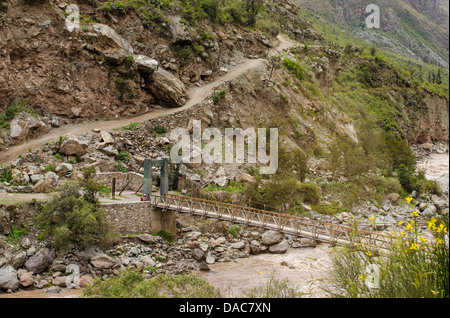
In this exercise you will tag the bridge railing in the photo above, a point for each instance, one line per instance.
(298, 226)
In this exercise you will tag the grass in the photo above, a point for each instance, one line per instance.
(19, 105)
(132, 284)
(132, 126)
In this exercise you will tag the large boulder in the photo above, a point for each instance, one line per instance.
(279, 248)
(102, 262)
(167, 89)
(106, 41)
(107, 137)
(73, 146)
(8, 278)
(179, 31)
(64, 168)
(26, 125)
(40, 261)
(271, 237)
(145, 64)
(107, 166)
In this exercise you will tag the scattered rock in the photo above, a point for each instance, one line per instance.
(107, 137)
(26, 279)
(8, 278)
(73, 146)
(271, 237)
(198, 254)
(279, 248)
(40, 261)
(85, 281)
(102, 262)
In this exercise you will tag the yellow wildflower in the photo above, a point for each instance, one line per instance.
(442, 228)
(402, 233)
(422, 239)
(369, 253)
(439, 241)
(413, 246)
(372, 218)
(362, 277)
(409, 227)
(408, 200)
(434, 292)
(400, 223)
(432, 223)
(414, 214)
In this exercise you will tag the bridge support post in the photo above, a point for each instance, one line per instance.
(164, 186)
(164, 220)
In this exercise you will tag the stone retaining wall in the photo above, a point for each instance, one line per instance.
(138, 217)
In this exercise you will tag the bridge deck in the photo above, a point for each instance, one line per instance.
(294, 225)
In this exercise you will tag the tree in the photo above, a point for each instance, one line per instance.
(439, 77)
(253, 7)
(275, 63)
(73, 217)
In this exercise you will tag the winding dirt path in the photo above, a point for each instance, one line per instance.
(196, 95)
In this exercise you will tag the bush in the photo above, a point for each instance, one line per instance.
(274, 288)
(159, 130)
(310, 192)
(74, 219)
(132, 284)
(166, 235)
(295, 69)
(18, 106)
(6, 175)
(408, 180)
(123, 155)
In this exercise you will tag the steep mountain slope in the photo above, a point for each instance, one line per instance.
(415, 29)
(344, 114)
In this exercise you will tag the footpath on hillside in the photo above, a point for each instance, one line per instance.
(196, 96)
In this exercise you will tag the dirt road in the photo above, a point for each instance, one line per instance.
(196, 95)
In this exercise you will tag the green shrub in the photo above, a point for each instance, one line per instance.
(408, 180)
(310, 192)
(295, 69)
(234, 230)
(18, 106)
(166, 235)
(123, 155)
(132, 284)
(74, 219)
(132, 126)
(6, 175)
(159, 130)
(50, 168)
(16, 234)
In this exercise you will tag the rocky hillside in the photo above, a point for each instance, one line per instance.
(352, 122)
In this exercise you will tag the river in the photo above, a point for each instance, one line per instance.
(436, 167)
(302, 267)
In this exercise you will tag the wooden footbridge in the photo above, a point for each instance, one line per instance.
(296, 226)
